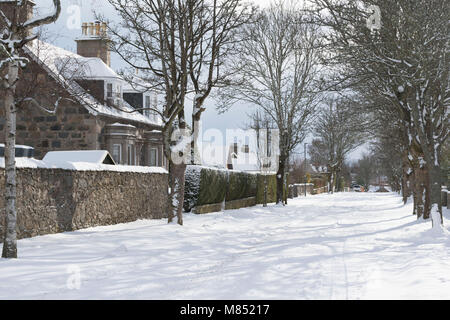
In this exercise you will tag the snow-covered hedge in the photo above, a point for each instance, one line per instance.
(206, 186)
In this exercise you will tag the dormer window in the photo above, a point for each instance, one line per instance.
(113, 93)
(109, 90)
(150, 106)
(147, 106)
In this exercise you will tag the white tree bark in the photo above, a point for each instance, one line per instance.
(10, 238)
(15, 36)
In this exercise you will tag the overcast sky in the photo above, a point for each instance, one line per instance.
(68, 27)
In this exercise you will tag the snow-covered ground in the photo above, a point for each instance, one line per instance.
(342, 246)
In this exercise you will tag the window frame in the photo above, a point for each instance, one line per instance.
(156, 157)
(120, 152)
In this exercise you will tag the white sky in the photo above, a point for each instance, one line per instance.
(68, 27)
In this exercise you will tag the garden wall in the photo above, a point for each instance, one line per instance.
(57, 200)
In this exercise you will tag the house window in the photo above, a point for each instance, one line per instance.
(117, 153)
(109, 90)
(147, 111)
(153, 157)
(130, 155)
(155, 106)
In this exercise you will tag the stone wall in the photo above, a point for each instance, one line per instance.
(55, 200)
(300, 189)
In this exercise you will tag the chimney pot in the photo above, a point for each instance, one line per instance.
(91, 28)
(84, 29)
(94, 42)
(97, 28)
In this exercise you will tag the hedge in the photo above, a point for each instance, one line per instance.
(241, 185)
(205, 186)
(271, 189)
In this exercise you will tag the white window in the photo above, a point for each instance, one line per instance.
(117, 153)
(153, 157)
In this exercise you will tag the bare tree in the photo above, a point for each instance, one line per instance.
(16, 33)
(155, 37)
(339, 129)
(278, 72)
(366, 170)
(216, 42)
(403, 58)
(388, 155)
(179, 47)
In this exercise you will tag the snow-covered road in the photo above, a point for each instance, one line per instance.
(342, 246)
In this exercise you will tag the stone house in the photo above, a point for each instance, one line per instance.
(81, 103)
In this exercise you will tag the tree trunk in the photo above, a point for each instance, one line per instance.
(332, 181)
(10, 238)
(176, 195)
(338, 182)
(280, 179)
(405, 188)
(419, 191)
(195, 153)
(434, 186)
(406, 180)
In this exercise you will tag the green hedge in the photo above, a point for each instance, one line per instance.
(241, 185)
(271, 189)
(205, 186)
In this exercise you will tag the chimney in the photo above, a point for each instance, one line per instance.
(94, 41)
(9, 9)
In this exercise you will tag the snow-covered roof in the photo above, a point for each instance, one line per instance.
(81, 166)
(2, 145)
(118, 124)
(318, 169)
(136, 85)
(88, 156)
(86, 68)
(59, 62)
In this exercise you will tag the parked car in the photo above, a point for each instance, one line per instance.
(357, 188)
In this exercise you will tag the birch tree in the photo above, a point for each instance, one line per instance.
(279, 72)
(16, 33)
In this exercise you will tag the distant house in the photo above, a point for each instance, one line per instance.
(241, 158)
(96, 112)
